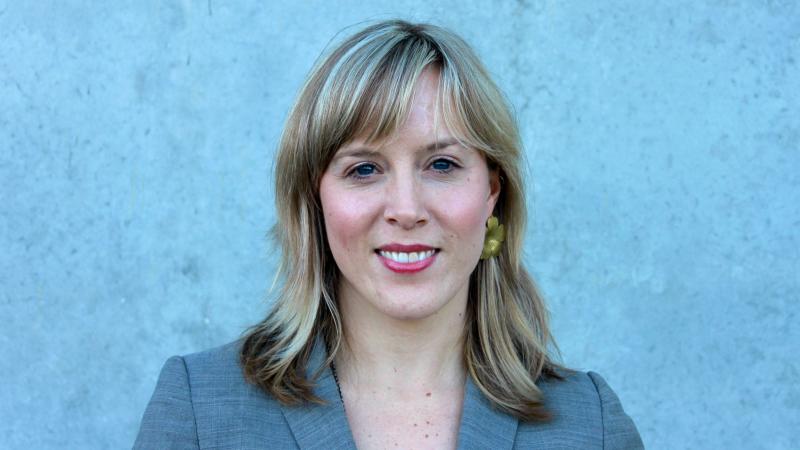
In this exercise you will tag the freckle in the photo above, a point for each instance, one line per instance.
(428, 422)
(415, 424)
(426, 436)
(427, 394)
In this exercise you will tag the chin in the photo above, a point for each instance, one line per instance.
(410, 306)
(412, 313)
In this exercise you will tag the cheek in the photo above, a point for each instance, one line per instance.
(339, 226)
(466, 216)
(345, 221)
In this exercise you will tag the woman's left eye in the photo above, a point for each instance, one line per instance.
(443, 165)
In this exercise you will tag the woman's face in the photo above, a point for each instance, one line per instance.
(406, 218)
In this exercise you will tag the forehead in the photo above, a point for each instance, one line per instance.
(416, 120)
(390, 106)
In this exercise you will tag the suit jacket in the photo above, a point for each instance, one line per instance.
(202, 401)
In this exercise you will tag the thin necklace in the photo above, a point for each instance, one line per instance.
(336, 379)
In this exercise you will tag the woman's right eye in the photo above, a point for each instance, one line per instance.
(363, 171)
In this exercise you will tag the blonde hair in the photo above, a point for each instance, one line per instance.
(363, 87)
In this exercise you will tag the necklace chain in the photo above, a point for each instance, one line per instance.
(336, 379)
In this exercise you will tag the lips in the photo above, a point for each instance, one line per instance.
(404, 258)
(406, 248)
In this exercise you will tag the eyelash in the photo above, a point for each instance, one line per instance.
(353, 173)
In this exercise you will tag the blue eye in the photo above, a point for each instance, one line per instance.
(442, 165)
(363, 171)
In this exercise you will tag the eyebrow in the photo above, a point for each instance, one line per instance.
(441, 144)
(361, 152)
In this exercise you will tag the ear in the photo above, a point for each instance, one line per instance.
(494, 189)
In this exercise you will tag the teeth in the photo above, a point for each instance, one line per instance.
(406, 258)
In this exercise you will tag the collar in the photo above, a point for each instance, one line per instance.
(325, 426)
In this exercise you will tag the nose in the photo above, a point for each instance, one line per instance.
(405, 206)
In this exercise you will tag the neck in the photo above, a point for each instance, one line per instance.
(404, 354)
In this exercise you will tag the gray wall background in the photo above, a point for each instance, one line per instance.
(136, 143)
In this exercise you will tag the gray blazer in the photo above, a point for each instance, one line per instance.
(202, 401)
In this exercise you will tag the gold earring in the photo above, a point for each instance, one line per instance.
(495, 235)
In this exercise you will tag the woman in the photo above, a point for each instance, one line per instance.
(405, 318)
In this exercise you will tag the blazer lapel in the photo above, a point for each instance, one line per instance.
(320, 426)
(483, 426)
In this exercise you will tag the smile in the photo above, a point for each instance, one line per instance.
(403, 257)
(407, 259)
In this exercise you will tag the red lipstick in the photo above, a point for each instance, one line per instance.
(392, 263)
(406, 248)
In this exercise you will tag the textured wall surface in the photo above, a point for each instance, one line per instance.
(136, 143)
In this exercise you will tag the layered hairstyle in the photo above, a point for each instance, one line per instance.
(363, 87)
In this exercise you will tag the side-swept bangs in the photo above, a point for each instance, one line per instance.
(364, 89)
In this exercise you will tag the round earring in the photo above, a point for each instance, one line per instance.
(495, 235)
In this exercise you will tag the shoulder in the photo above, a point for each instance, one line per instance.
(585, 413)
(218, 365)
(207, 395)
(219, 388)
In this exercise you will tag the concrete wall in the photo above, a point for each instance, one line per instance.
(136, 143)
